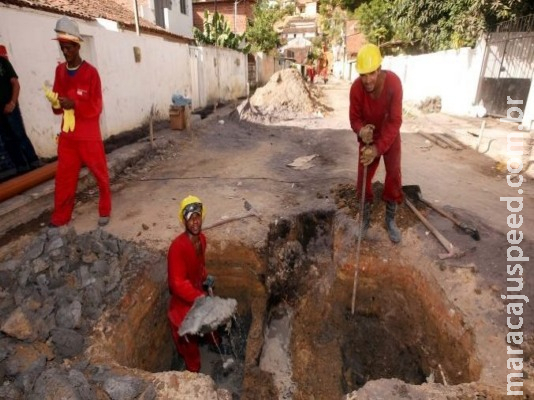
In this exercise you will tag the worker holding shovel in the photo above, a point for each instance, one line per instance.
(187, 278)
(376, 116)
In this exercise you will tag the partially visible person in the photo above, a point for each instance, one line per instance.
(376, 116)
(310, 71)
(15, 142)
(187, 278)
(322, 67)
(77, 95)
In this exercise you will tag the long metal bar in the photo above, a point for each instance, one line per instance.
(357, 264)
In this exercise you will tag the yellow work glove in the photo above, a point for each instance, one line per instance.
(368, 155)
(68, 120)
(366, 133)
(51, 97)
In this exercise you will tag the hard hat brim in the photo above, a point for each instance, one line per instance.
(65, 37)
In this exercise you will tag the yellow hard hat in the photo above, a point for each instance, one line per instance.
(369, 59)
(189, 206)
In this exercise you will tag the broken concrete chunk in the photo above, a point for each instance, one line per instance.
(69, 315)
(18, 326)
(67, 342)
(123, 387)
(207, 314)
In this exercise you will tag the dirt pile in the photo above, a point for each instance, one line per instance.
(347, 199)
(286, 96)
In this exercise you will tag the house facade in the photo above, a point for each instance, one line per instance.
(175, 16)
(235, 12)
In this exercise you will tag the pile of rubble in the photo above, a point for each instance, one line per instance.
(51, 296)
(286, 96)
(430, 105)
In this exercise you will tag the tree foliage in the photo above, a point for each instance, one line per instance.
(332, 23)
(217, 32)
(260, 31)
(433, 25)
(375, 20)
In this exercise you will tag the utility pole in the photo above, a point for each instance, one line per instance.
(136, 15)
(235, 14)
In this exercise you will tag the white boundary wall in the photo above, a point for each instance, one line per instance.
(452, 75)
(130, 89)
(225, 74)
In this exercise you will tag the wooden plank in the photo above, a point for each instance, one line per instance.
(434, 139)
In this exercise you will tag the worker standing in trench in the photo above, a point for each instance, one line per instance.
(77, 94)
(188, 279)
(375, 114)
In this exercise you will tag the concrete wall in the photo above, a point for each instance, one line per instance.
(224, 75)
(266, 66)
(311, 9)
(177, 22)
(130, 89)
(452, 75)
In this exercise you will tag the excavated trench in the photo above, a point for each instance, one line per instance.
(295, 334)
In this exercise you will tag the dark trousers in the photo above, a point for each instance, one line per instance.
(7, 168)
(16, 142)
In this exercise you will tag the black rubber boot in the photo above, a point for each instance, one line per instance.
(393, 231)
(366, 219)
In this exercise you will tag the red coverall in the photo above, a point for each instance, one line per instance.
(186, 272)
(385, 113)
(84, 144)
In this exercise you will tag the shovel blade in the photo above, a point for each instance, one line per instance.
(413, 192)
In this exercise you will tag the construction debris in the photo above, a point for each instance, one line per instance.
(304, 162)
(286, 96)
(207, 314)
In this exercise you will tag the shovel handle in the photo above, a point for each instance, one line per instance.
(444, 242)
(462, 225)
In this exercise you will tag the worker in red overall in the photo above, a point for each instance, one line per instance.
(375, 114)
(77, 95)
(187, 278)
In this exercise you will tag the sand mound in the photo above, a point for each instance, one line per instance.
(286, 96)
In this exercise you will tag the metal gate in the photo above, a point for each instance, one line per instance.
(508, 66)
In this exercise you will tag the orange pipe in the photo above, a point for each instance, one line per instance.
(21, 183)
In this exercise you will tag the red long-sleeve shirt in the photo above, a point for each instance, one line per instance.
(385, 112)
(186, 271)
(84, 88)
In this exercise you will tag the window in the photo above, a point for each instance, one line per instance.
(183, 6)
(158, 13)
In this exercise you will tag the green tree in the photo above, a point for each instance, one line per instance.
(331, 24)
(375, 20)
(432, 25)
(260, 31)
(217, 32)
